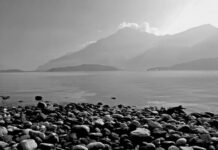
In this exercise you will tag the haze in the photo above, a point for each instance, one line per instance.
(32, 32)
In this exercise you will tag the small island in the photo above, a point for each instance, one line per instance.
(84, 68)
(11, 70)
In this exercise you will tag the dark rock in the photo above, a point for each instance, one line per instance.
(46, 146)
(167, 144)
(81, 130)
(38, 98)
(205, 137)
(157, 132)
(41, 105)
(185, 128)
(52, 138)
(148, 146)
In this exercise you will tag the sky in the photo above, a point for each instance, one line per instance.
(32, 32)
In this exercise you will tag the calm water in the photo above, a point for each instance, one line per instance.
(198, 91)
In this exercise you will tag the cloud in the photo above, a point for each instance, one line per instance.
(87, 44)
(144, 27)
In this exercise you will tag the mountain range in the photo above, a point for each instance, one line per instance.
(132, 49)
(200, 64)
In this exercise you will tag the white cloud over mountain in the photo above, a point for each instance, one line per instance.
(144, 27)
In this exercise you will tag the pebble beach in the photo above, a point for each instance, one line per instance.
(85, 126)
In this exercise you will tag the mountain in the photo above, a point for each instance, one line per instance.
(84, 67)
(200, 64)
(132, 49)
(113, 50)
(196, 43)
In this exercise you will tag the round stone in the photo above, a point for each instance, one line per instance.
(181, 142)
(173, 147)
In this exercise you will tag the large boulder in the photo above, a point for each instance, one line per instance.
(28, 144)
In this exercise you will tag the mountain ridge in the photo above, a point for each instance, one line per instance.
(131, 49)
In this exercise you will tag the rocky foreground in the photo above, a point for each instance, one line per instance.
(83, 126)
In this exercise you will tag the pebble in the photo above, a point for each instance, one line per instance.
(198, 148)
(185, 148)
(181, 142)
(84, 126)
(95, 146)
(173, 147)
(3, 131)
(141, 132)
(79, 147)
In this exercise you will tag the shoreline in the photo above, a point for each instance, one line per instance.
(86, 126)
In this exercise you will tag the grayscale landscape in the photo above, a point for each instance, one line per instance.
(108, 74)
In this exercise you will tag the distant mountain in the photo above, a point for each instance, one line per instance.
(200, 64)
(12, 70)
(84, 67)
(196, 43)
(113, 50)
(132, 49)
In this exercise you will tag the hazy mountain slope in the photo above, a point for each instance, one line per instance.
(200, 64)
(206, 49)
(158, 56)
(190, 37)
(180, 49)
(114, 50)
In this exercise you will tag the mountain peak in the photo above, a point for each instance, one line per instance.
(207, 26)
(203, 28)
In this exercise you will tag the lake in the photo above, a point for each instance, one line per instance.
(195, 90)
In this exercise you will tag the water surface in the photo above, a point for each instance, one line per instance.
(196, 90)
